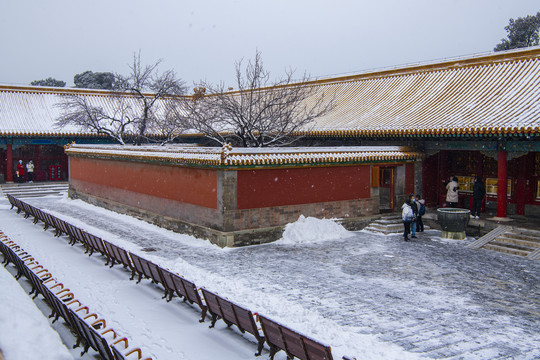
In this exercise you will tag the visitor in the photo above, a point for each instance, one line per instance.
(30, 171)
(20, 171)
(414, 207)
(452, 192)
(479, 191)
(407, 216)
(421, 212)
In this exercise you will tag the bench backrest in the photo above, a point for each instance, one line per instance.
(95, 242)
(293, 343)
(117, 253)
(167, 280)
(231, 312)
(212, 302)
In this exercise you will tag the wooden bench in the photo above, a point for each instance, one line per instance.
(119, 356)
(231, 313)
(94, 243)
(12, 201)
(118, 255)
(60, 226)
(90, 337)
(279, 337)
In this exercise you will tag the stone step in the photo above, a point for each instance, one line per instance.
(508, 239)
(523, 235)
(386, 226)
(478, 243)
(505, 249)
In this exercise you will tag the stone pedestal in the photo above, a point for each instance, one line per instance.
(453, 222)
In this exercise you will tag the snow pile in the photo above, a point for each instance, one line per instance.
(312, 230)
(24, 332)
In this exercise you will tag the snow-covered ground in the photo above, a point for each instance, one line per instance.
(369, 296)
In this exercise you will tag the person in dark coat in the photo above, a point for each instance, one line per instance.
(414, 207)
(421, 211)
(479, 191)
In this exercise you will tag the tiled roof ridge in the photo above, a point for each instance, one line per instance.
(455, 63)
(228, 156)
(489, 58)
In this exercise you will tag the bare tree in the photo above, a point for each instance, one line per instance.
(137, 103)
(259, 113)
(115, 122)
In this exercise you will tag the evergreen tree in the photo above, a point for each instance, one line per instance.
(49, 82)
(94, 80)
(522, 32)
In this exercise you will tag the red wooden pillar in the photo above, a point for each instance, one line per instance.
(502, 181)
(9, 167)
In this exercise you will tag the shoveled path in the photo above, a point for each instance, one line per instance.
(432, 297)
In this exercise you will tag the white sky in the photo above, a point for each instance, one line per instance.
(203, 39)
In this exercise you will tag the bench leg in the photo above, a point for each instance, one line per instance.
(214, 319)
(167, 292)
(273, 351)
(203, 315)
(260, 347)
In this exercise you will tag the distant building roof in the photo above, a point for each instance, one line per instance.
(497, 93)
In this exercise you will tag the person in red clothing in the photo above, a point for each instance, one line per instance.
(20, 171)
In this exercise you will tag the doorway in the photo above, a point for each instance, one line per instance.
(386, 189)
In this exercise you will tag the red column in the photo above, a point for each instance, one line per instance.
(502, 180)
(9, 167)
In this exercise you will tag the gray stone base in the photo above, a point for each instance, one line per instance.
(220, 238)
(455, 235)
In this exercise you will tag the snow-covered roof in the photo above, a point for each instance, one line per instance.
(227, 156)
(33, 110)
(497, 93)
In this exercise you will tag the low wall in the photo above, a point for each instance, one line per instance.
(230, 205)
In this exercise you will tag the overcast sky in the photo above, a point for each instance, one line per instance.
(203, 39)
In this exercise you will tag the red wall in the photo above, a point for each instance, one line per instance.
(277, 187)
(192, 186)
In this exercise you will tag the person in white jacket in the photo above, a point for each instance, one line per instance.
(30, 171)
(407, 216)
(452, 195)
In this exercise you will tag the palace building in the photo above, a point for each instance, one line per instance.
(464, 117)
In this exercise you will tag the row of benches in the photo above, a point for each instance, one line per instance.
(62, 301)
(277, 336)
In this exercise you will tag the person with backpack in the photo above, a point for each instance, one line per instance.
(407, 216)
(421, 212)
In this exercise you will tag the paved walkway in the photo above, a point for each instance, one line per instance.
(435, 298)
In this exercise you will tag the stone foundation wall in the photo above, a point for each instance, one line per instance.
(282, 215)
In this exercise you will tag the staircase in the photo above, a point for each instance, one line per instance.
(28, 190)
(515, 241)
(388, 224)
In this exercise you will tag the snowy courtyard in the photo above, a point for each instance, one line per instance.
(367, 295)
